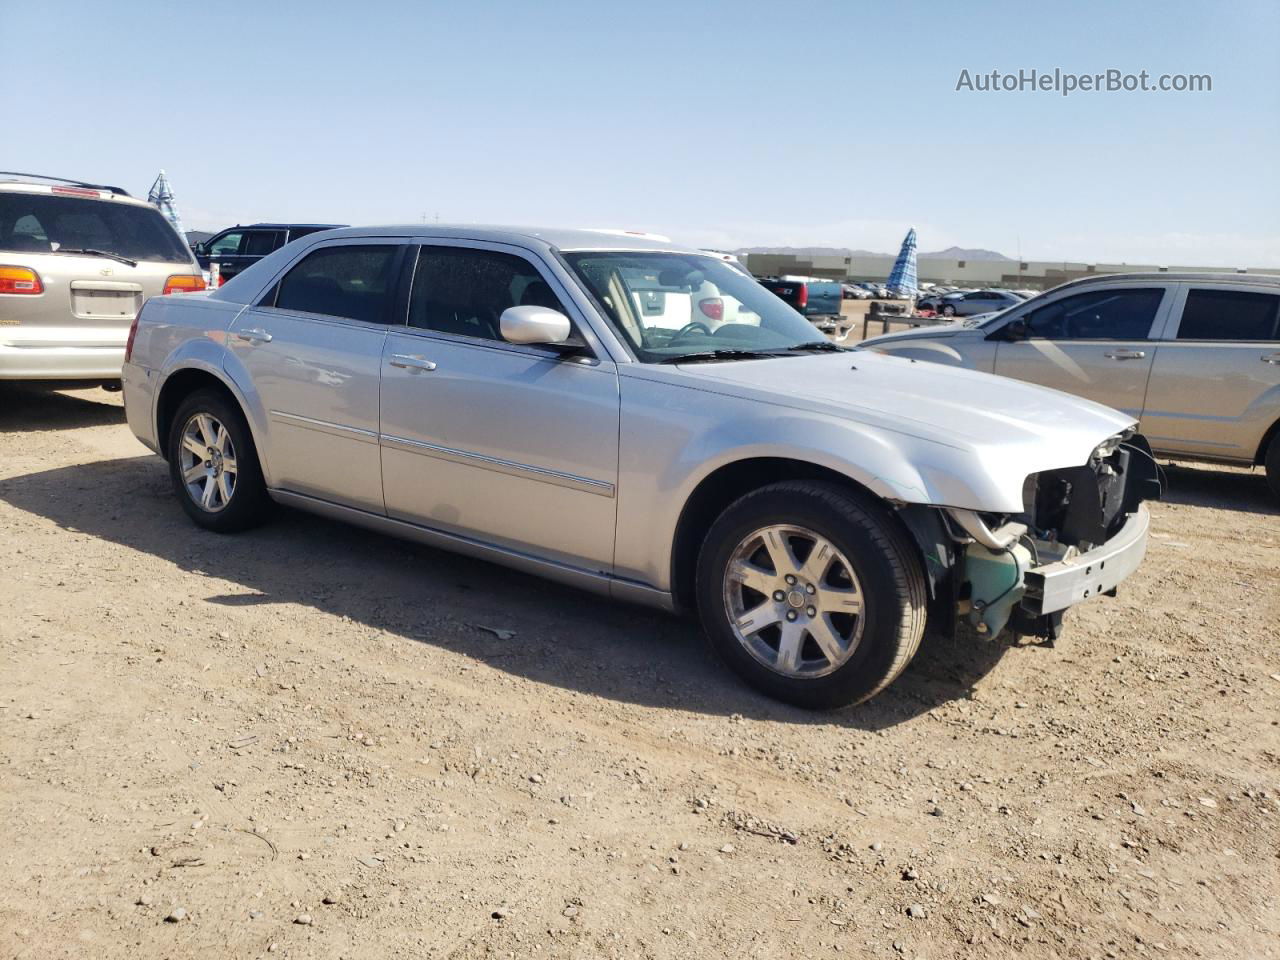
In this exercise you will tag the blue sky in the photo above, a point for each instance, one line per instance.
(718, 123)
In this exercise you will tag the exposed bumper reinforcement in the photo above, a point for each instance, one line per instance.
(1056, 586)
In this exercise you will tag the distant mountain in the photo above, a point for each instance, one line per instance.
(964, 253)
(810, 251)
(951, 253)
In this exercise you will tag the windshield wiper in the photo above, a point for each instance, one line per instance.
(91, 252)
(710, 356)
(825, 346)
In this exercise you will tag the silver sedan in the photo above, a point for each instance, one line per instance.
(646, 421)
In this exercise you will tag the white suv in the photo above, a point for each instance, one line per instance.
(77, 261)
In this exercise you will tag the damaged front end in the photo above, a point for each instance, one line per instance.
(1083, 531)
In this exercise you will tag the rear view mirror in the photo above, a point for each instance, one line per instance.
(534, 325)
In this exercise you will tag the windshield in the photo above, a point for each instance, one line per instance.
(672, 305)
(43, 223)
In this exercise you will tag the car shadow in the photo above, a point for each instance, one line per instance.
(1219, 488)
(562, 637)
(30, 407)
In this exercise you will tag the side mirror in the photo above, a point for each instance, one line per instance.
(534, 325)
(1013, 331)
(198, 248)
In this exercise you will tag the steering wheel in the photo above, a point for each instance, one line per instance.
(692, 327)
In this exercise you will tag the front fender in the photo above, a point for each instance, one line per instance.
(673, 440)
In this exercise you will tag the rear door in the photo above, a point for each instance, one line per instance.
(259, 243)
(1215, 385)
(312, 351)
(1097, 344)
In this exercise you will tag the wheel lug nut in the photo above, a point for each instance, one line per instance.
(810, 588)
(791, 614)
(790, 579)
(812, 611)
(779, 595)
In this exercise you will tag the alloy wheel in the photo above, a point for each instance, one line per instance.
(793, 601)
(208, 462)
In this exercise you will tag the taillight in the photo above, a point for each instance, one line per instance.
(802, 298)
(712, 308)
(20, 280)
(183, 283)
(133, 332)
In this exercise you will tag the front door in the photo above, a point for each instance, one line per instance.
(312, 351)
(1098, 345)
(510, 445)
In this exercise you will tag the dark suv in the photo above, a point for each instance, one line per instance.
(241, 246)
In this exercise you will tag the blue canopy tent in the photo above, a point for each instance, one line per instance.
(902, 278)
(161, 196)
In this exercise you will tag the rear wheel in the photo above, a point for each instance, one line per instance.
(213, 464)
(1273, 464)
(948, 311)
(811, 594)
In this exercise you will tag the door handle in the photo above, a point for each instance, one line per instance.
(412, 362)
(1125, 354)
(254, 336)
(1272, 358)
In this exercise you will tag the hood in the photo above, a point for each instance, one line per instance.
(947, 405)
(931, 332)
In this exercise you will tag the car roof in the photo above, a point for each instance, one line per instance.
(27, 183)
(1182, 277)
(286, 226)
(566, 239)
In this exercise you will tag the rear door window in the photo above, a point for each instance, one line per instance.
(1098, 315)
(258, 243)
(48, 223)
(356, 282)
(1230, 315)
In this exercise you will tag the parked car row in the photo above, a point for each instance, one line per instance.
(968, 303)
(725, 458)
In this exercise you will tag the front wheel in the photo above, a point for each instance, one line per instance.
(811, 593)
(1273, 464)
(213, 464)
(948, 311)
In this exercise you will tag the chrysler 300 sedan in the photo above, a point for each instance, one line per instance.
(512, 394)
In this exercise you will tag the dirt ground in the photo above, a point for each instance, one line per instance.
(312, 741)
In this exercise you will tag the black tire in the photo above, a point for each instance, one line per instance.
(247, 505)
(1273, 464)
(887, 568)
(948, 311)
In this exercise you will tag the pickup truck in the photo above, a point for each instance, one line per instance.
(811, 298)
